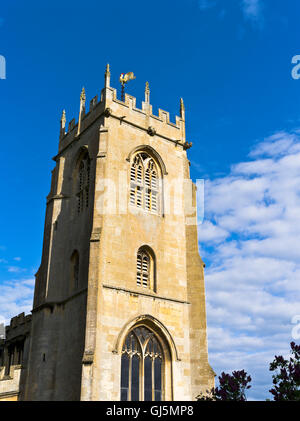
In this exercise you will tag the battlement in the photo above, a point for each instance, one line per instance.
(19, 325)
(14, 356)
(110, 106)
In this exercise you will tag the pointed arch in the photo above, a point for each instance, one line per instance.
(146, 268)
(154, 350)
(155, 325)
(146, 181)
(152, 152)
(83, 150)
(142, 366)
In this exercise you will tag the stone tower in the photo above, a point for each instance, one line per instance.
(119, 303)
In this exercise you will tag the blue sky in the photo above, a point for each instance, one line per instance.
(231, 62)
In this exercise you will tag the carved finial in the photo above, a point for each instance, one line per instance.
(62, 124)
(107, 76)
(82, 96)
(81, 109)
(147, 93)
(182, 109)
(63, 119)
(181, 104)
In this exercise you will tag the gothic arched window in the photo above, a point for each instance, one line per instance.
(144, 183)
(83, 183)
(145, 268)
(142, 365)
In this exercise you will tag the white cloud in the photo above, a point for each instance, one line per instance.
(280, 143)
(15, 298)
(211, 232)
(251, 237)
(15, 269)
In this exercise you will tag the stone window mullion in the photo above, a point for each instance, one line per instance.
(143, 345)
(144, 184)
(130, 376)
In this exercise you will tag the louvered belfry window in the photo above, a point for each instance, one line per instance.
(141, 366)
(83, 184)
(144, 183)
(143, 269)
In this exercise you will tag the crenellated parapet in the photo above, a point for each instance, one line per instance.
(126, 111)
(19, 326)
(14, 356)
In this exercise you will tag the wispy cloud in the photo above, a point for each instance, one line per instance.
(15, 269)
(206, 4)
(251, 236)
(252, 9)
(15, 297)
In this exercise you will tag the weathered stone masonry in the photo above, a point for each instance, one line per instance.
(116, 261)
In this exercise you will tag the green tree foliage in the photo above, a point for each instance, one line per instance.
(232, 387)
(286, 380)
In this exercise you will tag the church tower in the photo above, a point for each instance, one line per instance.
(119, 303)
